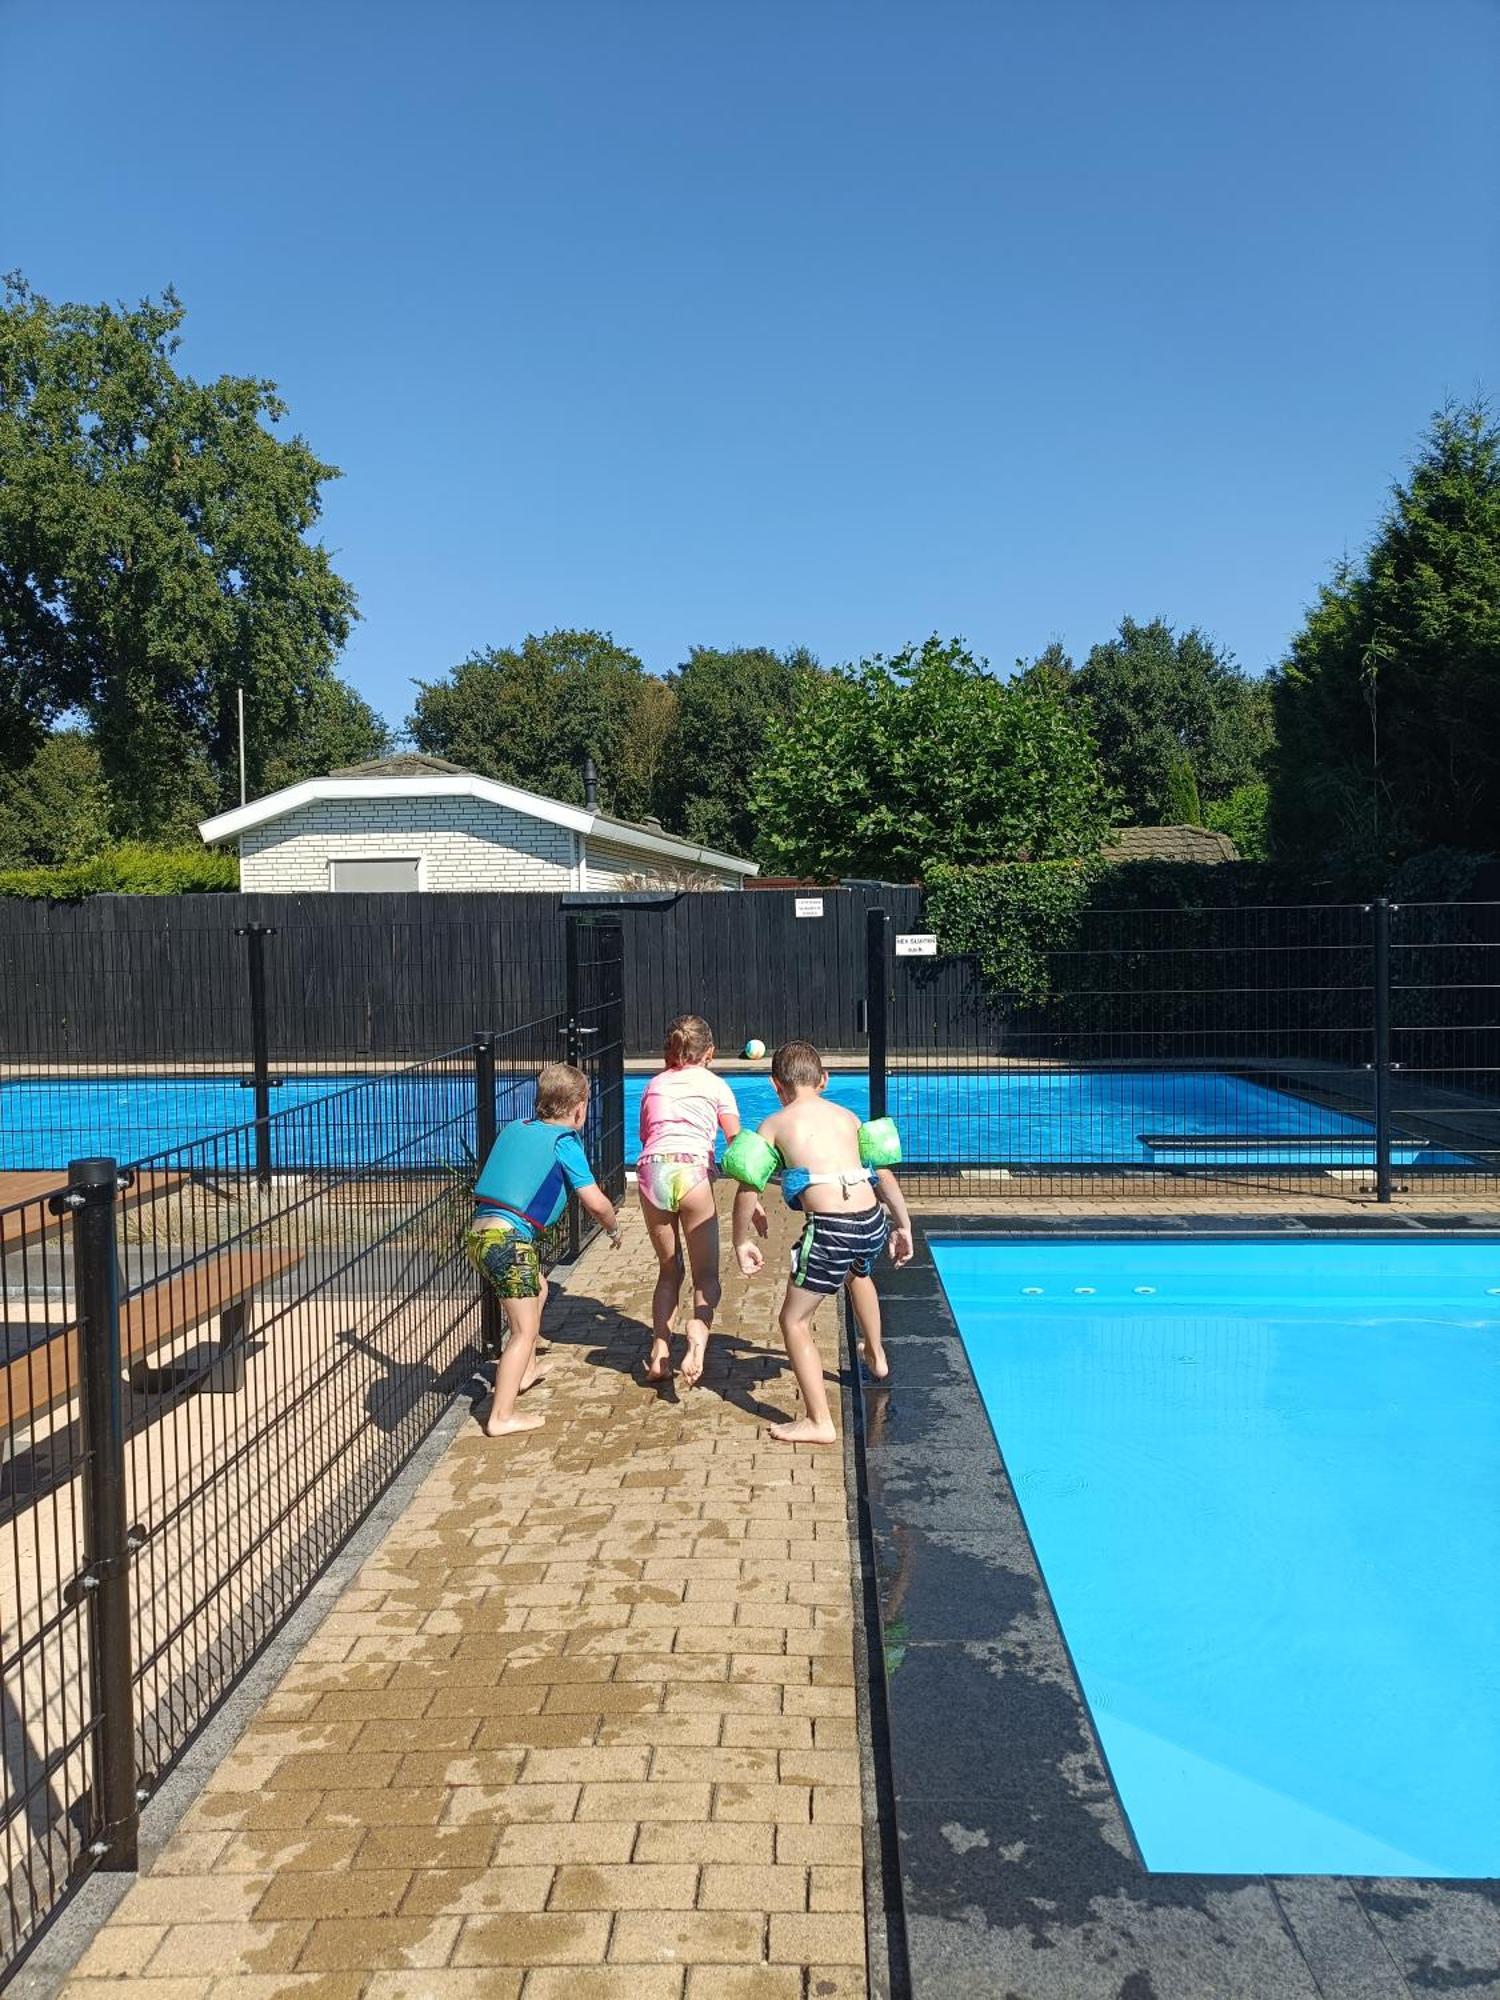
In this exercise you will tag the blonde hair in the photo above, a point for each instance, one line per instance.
(560, 1089)
(796, 1064)
(689, 1040)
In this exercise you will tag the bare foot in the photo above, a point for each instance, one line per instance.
(875, 1361)
(508, 1426)
(659, 1362)
(536, 1375)
(804, 1431)
(697, 1348)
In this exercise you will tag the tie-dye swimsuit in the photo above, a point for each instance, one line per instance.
(682, 1114)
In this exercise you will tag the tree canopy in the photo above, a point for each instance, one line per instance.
(1177, 723)
(55, 808)
(888, 767)
(530, 714)
(1388, 703)
(336, 727)
(154, 555)
(726, 701)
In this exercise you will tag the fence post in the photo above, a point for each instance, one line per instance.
(255, 936)
(1381, 914)
(877, 1004)
(104, 1584)
(491, 1321)
(574, 1055)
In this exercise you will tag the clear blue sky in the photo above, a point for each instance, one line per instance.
(787, 321)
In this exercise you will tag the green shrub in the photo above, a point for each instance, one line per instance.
(130, 869)
(1243, 817)
(1009, 916)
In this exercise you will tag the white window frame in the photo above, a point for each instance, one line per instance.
(334, 860)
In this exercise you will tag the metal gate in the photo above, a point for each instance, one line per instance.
(596, 1043)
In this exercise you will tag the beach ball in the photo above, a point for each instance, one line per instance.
(754, 1050)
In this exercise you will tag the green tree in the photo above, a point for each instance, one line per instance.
(726, 702)
(530, 714)
(1388, 702)
(1158, 699)
(1051, 671)
(1243, 817)
(889, 767)
(154, 554)
(336, 727)
(55, 809)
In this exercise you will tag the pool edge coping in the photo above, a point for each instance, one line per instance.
(1122, 1930)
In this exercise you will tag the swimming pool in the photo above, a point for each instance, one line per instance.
(1021, 1118)
(1260, 1481)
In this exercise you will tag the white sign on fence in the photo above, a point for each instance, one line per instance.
(916, 944)
(809, 906)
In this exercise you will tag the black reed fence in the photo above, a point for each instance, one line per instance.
(1310, 1049)
(215, 1362)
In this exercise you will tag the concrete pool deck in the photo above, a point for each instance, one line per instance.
(583, 1724)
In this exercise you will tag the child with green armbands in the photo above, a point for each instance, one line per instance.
(837, 1172)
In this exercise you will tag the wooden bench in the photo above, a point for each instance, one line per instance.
(220, 1287)
(35, 1187)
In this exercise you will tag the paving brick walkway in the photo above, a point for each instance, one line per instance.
(583, 1726)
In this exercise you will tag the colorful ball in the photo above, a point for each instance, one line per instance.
(754, 1050)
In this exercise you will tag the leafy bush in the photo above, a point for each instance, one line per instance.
(130, 869)
(1009, 916)
(1243, 817)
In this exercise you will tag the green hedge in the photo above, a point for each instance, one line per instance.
(131, 869)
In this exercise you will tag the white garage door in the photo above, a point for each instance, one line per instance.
(395, 872)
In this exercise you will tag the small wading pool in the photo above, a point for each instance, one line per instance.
(1260, 1480)
(997, 1117)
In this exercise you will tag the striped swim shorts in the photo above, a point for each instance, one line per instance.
(832, 1248)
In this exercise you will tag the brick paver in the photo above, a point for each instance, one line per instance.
(583, 1726)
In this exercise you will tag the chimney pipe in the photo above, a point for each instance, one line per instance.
(590, 784)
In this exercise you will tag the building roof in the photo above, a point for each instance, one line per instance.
(436, 779)
(401, 764)
(1168, 843)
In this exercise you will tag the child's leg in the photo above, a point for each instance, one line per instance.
(864, 1302)
(816, 1427)
(661, 1227)
(700, 1229)
(525, 1316)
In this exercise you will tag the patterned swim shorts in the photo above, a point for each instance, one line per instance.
(506, 1260)
(664, 1178)
(835, 1247)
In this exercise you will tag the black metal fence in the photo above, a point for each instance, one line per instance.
(215, 1361)
(1308, 1049)
(162, 987)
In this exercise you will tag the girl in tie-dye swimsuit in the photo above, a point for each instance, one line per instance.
(684, 1110)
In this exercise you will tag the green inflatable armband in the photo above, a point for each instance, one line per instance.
(879, 1143)
(750, 1160)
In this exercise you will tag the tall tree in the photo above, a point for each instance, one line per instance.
(336, 727)
(1051, 671)
(1388, 703)
(726, 702)
(154, 553)
(530, 714)
(888, 767)
(1174, 717)
(55, 808)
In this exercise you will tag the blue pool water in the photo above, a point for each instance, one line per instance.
(1005, 1117)
(1261, 1481)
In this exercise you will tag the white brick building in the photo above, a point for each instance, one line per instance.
(417, 823)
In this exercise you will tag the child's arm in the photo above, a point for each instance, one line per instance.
(599, 1205)
(748, 1216)
(889, 1190)
(728, 1110)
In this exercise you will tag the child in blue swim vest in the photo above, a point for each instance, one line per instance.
(523, 1188)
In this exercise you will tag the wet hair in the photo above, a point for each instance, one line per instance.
(689, 1040)
(560, 1089)
(796, 1065)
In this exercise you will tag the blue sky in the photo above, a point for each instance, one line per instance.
(791, 321)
